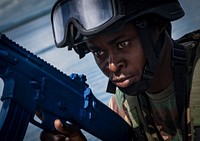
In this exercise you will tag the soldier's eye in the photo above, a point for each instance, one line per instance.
(98, 53)
(123, 44)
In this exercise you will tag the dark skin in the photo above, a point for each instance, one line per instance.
(116, 56)
(121, 58)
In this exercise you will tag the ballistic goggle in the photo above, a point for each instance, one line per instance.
(87, 16)
(72, 18)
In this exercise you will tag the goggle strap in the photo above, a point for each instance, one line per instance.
(71, 38)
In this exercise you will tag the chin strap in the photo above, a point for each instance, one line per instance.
(111, 88)
(151, 50)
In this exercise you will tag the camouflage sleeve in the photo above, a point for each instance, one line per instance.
(122, 112)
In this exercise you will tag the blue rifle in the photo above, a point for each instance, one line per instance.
(31, 84)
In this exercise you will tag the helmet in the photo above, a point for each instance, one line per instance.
(73, 19)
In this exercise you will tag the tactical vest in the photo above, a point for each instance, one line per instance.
(188, 83)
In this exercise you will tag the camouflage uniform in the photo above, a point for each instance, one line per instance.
(138, 112)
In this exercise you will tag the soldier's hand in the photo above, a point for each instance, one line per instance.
(66, 132)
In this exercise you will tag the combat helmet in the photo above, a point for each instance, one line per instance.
(73, 21)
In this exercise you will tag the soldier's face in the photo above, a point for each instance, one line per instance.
(119, 55)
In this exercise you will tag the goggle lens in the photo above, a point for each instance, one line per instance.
(86, 15)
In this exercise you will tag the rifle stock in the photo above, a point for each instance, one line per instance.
(31, 84)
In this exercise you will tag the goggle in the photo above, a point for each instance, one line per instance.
(87, 16)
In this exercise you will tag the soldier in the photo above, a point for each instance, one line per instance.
(132, 45)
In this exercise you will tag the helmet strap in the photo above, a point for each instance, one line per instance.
(111, 88)
(151, 50)
(133, 89)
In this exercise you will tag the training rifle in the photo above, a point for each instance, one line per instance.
(31, 84)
